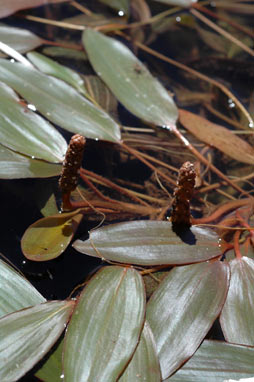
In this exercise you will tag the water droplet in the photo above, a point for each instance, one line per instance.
(48, 114)
(62, 376)
(178, 19)
(32, 156)
(24, 262)
(31, 107)
(251, 125)
(12, 60)
(121, 13)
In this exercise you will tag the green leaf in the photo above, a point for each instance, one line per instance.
(14, 166)
(27, 335)
(19, 39)
(59, 51)
(105, 326)
(48, 237)
(183, 308)
(59, 102)
(26, 132)
(15, 291)
(50, 207)
(220, 137)
(150, 243)
(217, 361)
(51, 370)
(9, 7)
(237, 316)
(178, 3)
(144, 365)
(101, 94)
(119, 5)
(129, 79)
(51, 67)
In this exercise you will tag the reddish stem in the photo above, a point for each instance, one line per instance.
(236, 244)
(224, 209)
(221, 17)
(114, 186)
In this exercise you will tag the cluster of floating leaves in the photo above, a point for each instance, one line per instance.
(119, 336)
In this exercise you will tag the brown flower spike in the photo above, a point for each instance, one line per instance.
(181, 216)
(70, 170)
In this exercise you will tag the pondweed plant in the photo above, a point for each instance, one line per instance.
(115, 330)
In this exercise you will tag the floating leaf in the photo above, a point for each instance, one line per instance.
(150, 243)
(144, 365)
(213, 40)
(15, 291)
(119, 5)
(237, 315)
(105, 326)
(27, 335)
(12, 6)
(101, 94)
(183, 308)
(95, 20)
(48, 237)
(14, 166)
(26, 132)
(178, 3)
(59, 51)
(19, 39)
(217, 361)
(51, 370)
(59, 102)
(129, 79)
(51, 67)
(217, 136)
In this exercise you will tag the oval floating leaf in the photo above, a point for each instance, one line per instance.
(129, 79)
(101, 94)
(217, 136)
(59, 51)
(19, 39)
(119, 5)
(237, 315)
(51, 67)
(48, 237)
(7, 8)
(26, 132)
(59, 102)
(217, 361)
(15, 166)
(178, 3)
(144, 365)
(27, 335)
(51, 370)
(183, 308)
(105, 326)
(150, 243)
(15, 291)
